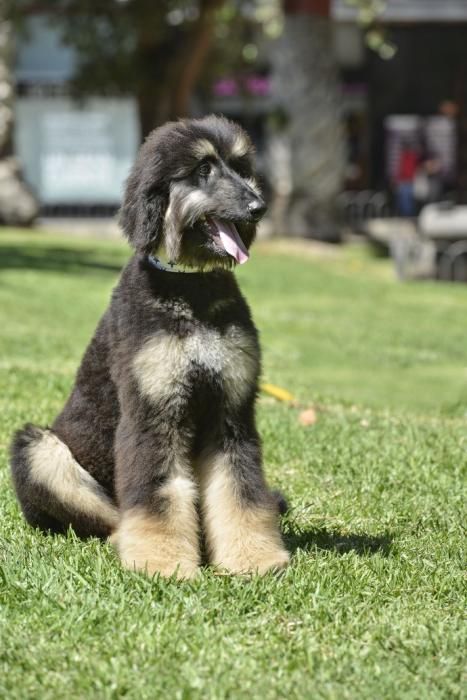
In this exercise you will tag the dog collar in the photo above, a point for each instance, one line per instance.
(167, 267)
(159, 265)
(171, 266)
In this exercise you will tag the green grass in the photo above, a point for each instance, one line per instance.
(372, 604)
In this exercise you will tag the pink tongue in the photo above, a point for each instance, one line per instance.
(230, 239)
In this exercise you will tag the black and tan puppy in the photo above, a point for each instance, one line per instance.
(157, 444)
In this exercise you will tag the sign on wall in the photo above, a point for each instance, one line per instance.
(74, 154)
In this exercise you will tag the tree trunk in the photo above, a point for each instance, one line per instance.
(306, 82)
(17, 205)
(170, 70)
(195, 58)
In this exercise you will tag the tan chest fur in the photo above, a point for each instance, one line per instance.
(165, 361)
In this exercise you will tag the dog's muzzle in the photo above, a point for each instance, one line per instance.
(257, 209)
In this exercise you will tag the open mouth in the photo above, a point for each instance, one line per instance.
(226, 236)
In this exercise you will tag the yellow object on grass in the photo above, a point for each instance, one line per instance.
(278, 393)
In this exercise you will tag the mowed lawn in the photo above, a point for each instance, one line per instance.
(372, 605)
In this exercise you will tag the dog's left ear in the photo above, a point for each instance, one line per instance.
(142, 217)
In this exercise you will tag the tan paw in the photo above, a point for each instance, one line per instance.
(276, 562)
(146, 543)
(244, 563)
(181, 570)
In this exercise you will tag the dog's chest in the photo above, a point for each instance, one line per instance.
(169, 365)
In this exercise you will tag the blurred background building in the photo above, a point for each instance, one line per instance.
(330, 97)
(75, 152)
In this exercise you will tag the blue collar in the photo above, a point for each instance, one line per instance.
(155, 262)
(172, 266)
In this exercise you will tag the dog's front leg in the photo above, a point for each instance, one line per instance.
(240, 514)
(158, 530)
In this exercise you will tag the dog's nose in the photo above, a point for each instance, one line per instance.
(256, 209)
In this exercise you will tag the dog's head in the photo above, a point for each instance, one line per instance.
(193, 191)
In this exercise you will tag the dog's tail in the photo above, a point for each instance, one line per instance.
(54, 491)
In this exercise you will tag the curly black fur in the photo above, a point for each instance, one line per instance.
(159, 428)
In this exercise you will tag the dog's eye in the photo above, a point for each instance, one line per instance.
(204, 168)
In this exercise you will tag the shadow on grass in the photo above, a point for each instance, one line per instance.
(53, 259)
(321, 538)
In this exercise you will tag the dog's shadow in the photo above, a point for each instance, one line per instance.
(298, 538)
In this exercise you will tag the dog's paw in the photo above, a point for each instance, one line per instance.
(279, 560)
(145, 543)
(181, 570)
(245, 563)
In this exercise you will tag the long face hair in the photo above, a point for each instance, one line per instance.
(193, 192)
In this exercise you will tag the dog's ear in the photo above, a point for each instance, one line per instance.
(141, 216)
(145, 200)
(142, 219)
(147, 189)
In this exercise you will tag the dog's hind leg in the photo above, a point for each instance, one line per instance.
(54, 491)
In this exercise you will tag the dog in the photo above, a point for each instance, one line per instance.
(157, 445)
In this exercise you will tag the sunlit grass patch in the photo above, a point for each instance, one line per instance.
(372, 604)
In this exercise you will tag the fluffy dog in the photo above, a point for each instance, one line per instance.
(157, 442)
